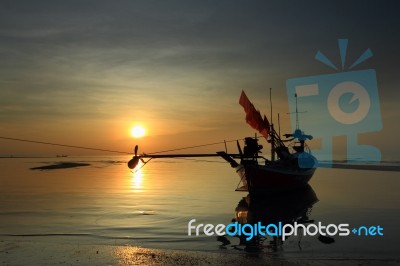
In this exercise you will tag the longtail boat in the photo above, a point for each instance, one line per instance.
(290, 167)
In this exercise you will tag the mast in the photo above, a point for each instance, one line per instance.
(297, 113)
(279, 126)
(272, 135)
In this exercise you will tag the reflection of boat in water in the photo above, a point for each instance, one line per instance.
(274, 208)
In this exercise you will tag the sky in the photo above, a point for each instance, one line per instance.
(84, 72)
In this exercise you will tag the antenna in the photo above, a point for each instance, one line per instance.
(297, 113)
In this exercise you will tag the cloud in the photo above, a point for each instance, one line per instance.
(175, 63)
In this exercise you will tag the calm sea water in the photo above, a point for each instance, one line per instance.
(105, 203)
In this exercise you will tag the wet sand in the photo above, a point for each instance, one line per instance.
(22, 251)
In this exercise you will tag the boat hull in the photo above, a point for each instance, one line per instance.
(262, 178)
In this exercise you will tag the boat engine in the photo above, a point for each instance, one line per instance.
(135, 160)
(251, 148)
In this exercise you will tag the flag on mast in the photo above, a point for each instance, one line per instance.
(253, 116)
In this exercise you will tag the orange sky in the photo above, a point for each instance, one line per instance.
(83, 74)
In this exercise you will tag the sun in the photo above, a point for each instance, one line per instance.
(138, 131)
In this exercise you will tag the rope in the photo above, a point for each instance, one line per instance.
(113, 151)
(199, 160)
(196, 146)
(64, 145)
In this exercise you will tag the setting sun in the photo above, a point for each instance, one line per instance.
(138, 131)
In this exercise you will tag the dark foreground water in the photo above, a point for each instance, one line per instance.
(105, 203)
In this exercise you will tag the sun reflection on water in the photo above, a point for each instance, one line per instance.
(137, 179)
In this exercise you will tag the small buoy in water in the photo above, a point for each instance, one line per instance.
(133, 162)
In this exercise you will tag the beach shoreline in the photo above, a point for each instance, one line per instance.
(27, 251)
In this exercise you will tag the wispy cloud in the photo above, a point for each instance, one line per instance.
(171, 62)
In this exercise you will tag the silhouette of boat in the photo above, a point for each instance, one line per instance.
(290, 167)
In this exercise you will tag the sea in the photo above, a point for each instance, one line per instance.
(106, 203)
